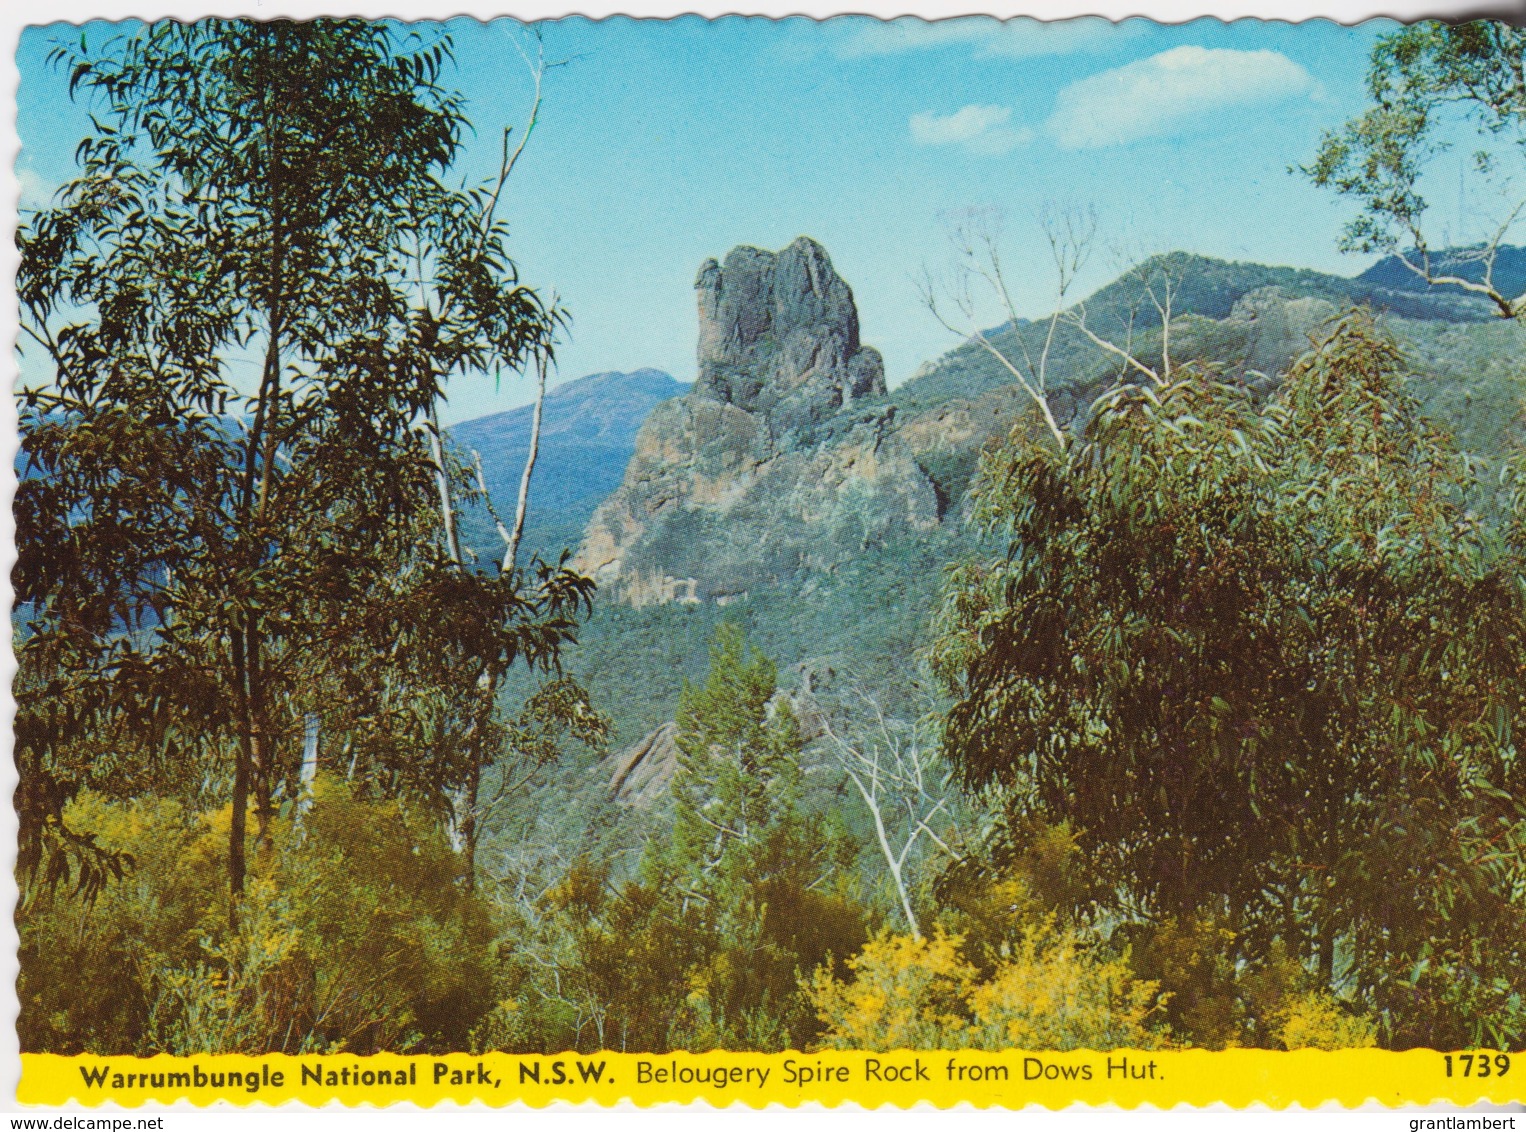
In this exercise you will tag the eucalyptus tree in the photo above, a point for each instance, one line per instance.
(198, 554)
(1268, 665)
(1429, 84)
(744, 881)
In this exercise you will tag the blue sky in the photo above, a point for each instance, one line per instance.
(662, 143)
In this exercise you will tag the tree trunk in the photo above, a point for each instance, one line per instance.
(267, 418)
(252, 771)
(442, 482)
(262, 748)
(511, 553)
(241, 762)
(470, 827)
(237, 831)
(309, 772)
(471, 819)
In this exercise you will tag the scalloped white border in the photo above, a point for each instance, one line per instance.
(22, 12)
(16, 14)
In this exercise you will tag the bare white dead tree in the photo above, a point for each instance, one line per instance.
(975, 237)
(537, 66)
(511, 552)
(979, 277)
(529, 870)
(904, 785)
(1450, 268)
(1152, 282)
(466, 803)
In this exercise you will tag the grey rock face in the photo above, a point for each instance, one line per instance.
(643, 772)
(1278, 327)
(778, 334)
(783, 458)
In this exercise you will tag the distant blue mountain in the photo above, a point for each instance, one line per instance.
(588, 435)
(1509, 271)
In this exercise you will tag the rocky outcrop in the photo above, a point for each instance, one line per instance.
(778, 335)
(641, 774)
(1277, 326)
(783, 458)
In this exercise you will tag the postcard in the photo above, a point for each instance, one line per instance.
(770, 561)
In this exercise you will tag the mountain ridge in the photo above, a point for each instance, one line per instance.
(867, 611)
(1250, 319)
(1213, 288)
(588, 434)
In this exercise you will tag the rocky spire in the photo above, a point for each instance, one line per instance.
(778, 335)
(770, 466)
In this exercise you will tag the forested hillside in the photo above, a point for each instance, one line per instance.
(873, 612)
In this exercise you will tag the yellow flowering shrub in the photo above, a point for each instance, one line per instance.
(905, 993)
(1316, 1020)
(354, 933)
(1052, 993)
(1048, 992)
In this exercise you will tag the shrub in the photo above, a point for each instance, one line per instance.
(1316, 1020)
(354, 934)
(1050, 991)
(1055, 993)
(906, 993)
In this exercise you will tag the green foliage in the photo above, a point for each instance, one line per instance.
(1193, 961)
(1471, 379)
(620, 960)
(356, 936)
(640, 659)
(737, 771)
(1241, 651)
(1426, 81)
(750, 871)
(1247, 742)
(1027, 869)
(705, 948)
(201, 569)
(1051, 990)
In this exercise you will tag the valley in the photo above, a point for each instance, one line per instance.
(824, 527)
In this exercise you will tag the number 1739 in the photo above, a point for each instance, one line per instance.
(1477, 1064)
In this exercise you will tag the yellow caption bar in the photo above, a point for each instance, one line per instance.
(1010, 1078)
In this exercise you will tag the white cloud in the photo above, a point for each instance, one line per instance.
(960, 126)
(1170, 91)
(1020, 38)
(980, 129)
(35, 192)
